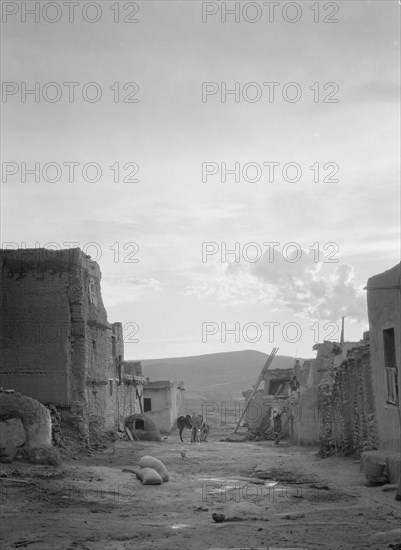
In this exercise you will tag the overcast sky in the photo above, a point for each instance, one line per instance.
(163, 219)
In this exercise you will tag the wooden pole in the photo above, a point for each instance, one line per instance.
(259, 380)
(137, 395)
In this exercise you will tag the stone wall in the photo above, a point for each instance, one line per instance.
(347, 408)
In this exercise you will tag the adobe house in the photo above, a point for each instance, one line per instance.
(276, 389)
(259, 408)
(384, 312)
(163, 402)
(57, 344)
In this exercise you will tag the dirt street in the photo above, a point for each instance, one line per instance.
(271, 496)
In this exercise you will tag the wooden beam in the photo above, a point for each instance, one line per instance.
(383, 287)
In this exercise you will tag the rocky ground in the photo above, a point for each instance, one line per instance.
(271, 496)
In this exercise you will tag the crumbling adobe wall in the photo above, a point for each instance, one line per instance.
(36, 323)
(109, 399)
(49, 300)
(347, 409)
(58, 346)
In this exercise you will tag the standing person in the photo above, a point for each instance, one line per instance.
(277, 426)
(294, 386)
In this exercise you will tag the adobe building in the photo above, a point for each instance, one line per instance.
(163, 402)
(384, 312)
(276, 390)
(258, 409)
(57, 344)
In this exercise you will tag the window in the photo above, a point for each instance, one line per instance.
(92, 291)
(111, 387)
(147, 404)
(119, 371)
(390, 365)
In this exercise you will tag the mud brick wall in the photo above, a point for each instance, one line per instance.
(36, 323)
(347, 408)
(57, 344)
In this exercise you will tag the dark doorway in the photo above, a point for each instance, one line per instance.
(139, 424)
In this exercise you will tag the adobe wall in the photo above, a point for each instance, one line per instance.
(37, 324)
(160, 395)
(177, 404)
(322, 365)
(304, 428)
(167, 403)
(384, 311)
(57, 344)
(257, 410)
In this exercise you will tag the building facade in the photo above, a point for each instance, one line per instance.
(384, 311)
(57, 344)
(163, 402)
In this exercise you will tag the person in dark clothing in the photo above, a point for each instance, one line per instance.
(294, 385)
(277, 426)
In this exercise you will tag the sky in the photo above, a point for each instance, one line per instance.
(216, 161)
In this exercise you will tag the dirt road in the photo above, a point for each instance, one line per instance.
(272, 497)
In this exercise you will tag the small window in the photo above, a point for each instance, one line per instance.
(389, 348)
(119, 372)
(147, 404)
(111, 387)
(390, 365)
(92, 291)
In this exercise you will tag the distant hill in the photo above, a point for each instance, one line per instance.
(215, 375)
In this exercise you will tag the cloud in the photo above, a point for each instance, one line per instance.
(229, 284)
(308, 287)
(119, 290)
(320, 290)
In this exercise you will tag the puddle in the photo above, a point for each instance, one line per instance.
(179, 525)
(221, 480)
(237, 481)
